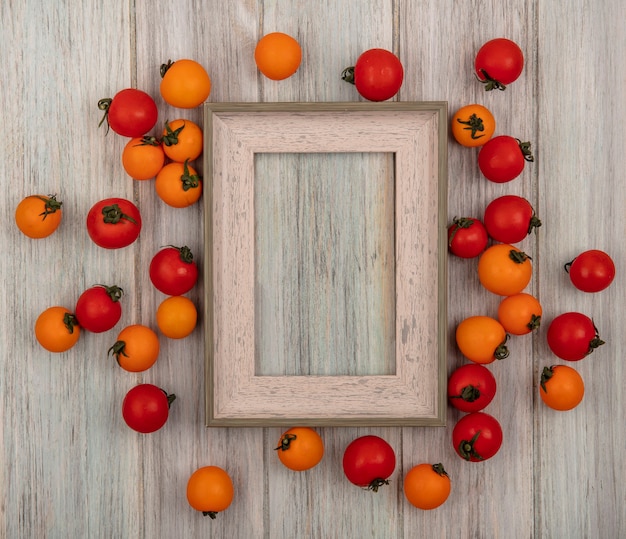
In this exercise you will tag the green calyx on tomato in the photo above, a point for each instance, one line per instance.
(163, 70)
(70, 322)
(285, 442)
(171, 138)
(489, 82)
(546, 374)
(170, 398)
(118, 349)
(439, 469)
(519, 257)
(526, 151)
(190, 181)
(185, 253)
(376, 484)
(596, 341)
(51, 205)
(467, 450)
(502, 352)
(474, 124)
(469, 393)
(104, 105)
(148, 140)
(114, 292)
(113, 214)
(348, 74)
(535, 322)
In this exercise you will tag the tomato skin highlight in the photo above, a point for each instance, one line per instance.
(591, 271)
(467, 237)
(510, 219)
(471, 387)
(561, 387)
(368, 461)
(145, 408)
(113, 223)
(131, 112)
(572, 336)
(477, 437)
(377, 74)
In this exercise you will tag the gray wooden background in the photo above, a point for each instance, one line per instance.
(70, 467)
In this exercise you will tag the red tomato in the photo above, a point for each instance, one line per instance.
(377, 74)
(131, 112)
(591, 271)
(98, 308)
(573, 336)
(368, 462)
(471, 387)
(146, 408)
(467, 237)
(502, 159)
(510, 218)
(113, 223)
(499, 62)
(173, 270)
(477, 436)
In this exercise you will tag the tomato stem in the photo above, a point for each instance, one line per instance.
(596, 341)
(190, 181)
(535, 322)
(438, 468)
(70, 322)
(489, 82)
(546, 374)
(469, 393)
(51, 205)
(519, 257)
(210, 514)
(171, 137)
(377, 483)
(474, 124)
(285, 442)
(113, 214)
(164, 67)
(114, 292)
(118, 349)
(348, 74)
(526, 152)
(104, 105)
(502, 352)
(460, 222)
(467, 450)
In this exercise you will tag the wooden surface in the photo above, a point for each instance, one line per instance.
(71, 468)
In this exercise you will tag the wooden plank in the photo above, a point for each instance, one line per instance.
(581, 194)
(441, 67)
(62, 431)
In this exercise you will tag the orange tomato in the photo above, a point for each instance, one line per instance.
(504, 270)
(176, 317)
(136, 349)
(300, 448)
(277, 55)
(185, 84)
(56, 329)
(427, 486)
(481, 339)
(178, 185)
(38, 216)
(210, 490)
(182, 140)
(561, 387)
(143, 157)
(473, 125)
(520, 313)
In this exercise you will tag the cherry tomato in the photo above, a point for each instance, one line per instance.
(520, 313)
(38, 216)
(377, 74)
(98, 308)
(300, 448)
(473, 125)
(185, 84)
(471, 387)
(131, 112)
(178, 185)
(136, 349)
(502, 158)
(146, 408)
(573, 336)
(477, 436)
(210, 490)
(113, 223)
(277, 55)
(368, 461)
(182, 140)
(143, 157)
(504, 270)
(427, 486)
(173, 270)
(561, 387)
(467, 237)
(56, 329)
(481, 339)
(510, 218)
(591, 271)
(499, 62)
(176, 317)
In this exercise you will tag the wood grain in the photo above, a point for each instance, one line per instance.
(71, 468)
